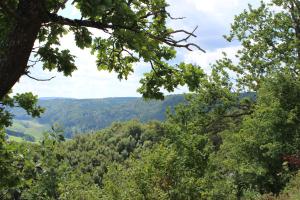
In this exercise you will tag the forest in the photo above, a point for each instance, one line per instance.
(79, 116)
(236, 136)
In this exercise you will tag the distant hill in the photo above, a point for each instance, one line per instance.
(86, 115)
(52, 98)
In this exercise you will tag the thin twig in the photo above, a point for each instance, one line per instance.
(37, 79)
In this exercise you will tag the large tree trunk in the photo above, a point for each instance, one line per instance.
(19, 43)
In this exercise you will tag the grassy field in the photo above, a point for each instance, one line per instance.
(32, 128)
(16, 139)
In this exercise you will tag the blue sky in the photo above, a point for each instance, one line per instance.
(213, 18)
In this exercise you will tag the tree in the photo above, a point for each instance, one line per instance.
(136, 30)
(72, 169)
(270, 42)
(250, 160)
(8, 168)
(159, 173)
(220, 144)
(253, 157)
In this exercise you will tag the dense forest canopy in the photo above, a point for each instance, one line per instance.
(218, 144)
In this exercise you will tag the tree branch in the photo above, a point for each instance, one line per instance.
(103, 26)
(76, 22)
(174, 18)
(37, 79)
(153, 68)
(186, 32)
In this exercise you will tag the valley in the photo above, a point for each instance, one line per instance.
(78, 116)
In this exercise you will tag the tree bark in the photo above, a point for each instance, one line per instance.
(20, 39)
(295, 10)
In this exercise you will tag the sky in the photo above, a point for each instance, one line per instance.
(213, 18)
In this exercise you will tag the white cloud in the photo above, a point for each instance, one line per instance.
(215, 7)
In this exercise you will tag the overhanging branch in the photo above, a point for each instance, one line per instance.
(54, 18)
(76, 22)
(37, 79)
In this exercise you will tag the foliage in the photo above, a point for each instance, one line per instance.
(221, 143)
(270, 40)
(160, 173)
(55, 169)
(27, 101)
(134, 31)
(253, 155)
(290, 192)
(8, 166)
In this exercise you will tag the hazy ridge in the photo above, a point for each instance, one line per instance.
(86, 115)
